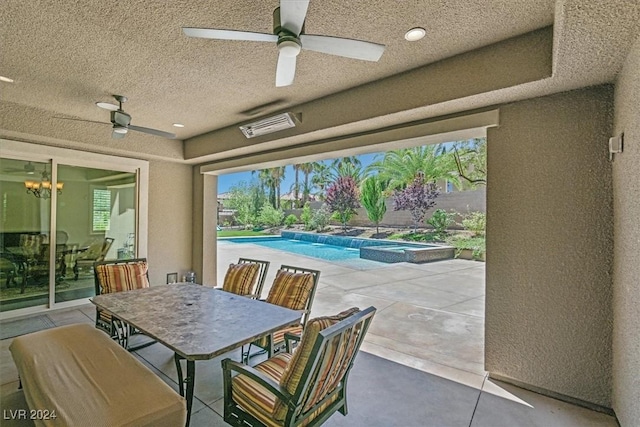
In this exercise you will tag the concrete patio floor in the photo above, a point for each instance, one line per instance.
(421, 363)
(430, 316)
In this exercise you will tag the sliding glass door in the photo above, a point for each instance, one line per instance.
(95, 221)
(56, 220)
(24, 233)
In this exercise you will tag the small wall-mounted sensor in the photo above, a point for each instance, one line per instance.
(615, 145)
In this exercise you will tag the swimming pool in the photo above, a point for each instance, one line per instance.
(301, 247)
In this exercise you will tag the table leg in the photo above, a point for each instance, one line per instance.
(177, 359)
(191, 382)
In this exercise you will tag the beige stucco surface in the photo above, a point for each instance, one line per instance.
(550, 245)
(170, 211)
(626, 266)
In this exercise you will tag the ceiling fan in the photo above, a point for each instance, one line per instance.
(121, 121)
(288, 34)
(28, 168)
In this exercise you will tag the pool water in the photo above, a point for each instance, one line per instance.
(300, 247)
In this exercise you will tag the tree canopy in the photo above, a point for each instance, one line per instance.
(342, 198)
(418, 197)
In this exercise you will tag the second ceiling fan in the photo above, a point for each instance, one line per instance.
(288, 21)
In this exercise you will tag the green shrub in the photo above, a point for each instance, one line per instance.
(475, 244)
(321, 219)
(306, 216)
(476, 222)
(441, 220)
(290, 220)
(270, 216)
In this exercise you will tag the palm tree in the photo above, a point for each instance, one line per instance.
(264, 176)
(277, 176)
(306, 169)
(400, 167)
(344, 169)
(321, 177)
(296, 185)
(349, 160)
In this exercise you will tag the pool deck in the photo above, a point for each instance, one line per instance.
(430, 316)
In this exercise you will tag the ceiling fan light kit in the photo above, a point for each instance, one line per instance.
(121, 121)
(289, 47)
(288, 34)
(270, 124)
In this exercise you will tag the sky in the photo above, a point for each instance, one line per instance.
(225, 182)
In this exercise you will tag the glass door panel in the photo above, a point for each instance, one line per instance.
(95, 221)
(25, 218)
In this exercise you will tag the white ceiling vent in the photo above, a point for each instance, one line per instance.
(269, 125)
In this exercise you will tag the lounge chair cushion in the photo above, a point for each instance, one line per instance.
(122, 277)
(255, 398)
(241, 278)
(290, 290)
(89, 380)
(293, 374)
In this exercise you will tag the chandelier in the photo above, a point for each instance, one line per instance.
(42, 189)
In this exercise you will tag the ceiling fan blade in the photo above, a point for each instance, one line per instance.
(208, 33)
(286, 70)
(153, 132)
(81, 120)
(349, 48)
(292, 14)
(107, 106)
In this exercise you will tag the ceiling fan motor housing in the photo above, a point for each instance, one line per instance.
(120, 118)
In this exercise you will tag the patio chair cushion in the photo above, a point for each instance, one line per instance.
(295, 369)
(122, 277)
(255, 398)
(278, 336)
(290, 290)
(241, 278)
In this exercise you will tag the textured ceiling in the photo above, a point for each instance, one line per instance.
(66, 55)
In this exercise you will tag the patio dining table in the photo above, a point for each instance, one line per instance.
(196, 322)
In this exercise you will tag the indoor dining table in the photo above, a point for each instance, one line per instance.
(196, 322)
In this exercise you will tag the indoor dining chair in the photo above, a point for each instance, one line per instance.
(86, 257)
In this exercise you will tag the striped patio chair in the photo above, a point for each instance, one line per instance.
(303, 389)
(293, 288)
(120, 276)
(246, 278)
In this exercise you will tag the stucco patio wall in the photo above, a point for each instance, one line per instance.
(550, 246)
(626, 267)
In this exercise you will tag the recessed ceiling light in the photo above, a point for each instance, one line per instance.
(415, 34)
(6, 79)
(178, 125)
